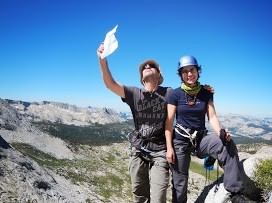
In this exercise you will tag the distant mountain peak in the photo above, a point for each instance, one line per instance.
(64, 113)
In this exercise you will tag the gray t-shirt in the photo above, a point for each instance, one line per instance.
(149, 112)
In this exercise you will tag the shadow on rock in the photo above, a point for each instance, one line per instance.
(3, 143)
(202, 197)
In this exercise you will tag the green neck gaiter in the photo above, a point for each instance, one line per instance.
(191, 90)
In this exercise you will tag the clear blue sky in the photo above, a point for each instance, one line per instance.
(48, 49)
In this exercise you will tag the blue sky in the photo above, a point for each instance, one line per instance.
(48, 49)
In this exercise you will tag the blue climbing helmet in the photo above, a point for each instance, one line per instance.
(187, 61)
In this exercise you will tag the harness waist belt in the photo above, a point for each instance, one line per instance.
(187, 132)
(154, 139)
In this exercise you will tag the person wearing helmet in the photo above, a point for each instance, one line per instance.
(148, 167)
(189, 104)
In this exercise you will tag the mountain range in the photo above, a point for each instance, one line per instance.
(243, 128)
(57, 152)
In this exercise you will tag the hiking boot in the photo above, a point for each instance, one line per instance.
(239, 198)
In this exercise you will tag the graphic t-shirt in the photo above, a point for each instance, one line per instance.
(148, 110)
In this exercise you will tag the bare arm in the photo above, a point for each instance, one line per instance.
(214, 121)
(171, 112)
(109, 81)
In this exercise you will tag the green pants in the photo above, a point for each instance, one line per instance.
(149, 176)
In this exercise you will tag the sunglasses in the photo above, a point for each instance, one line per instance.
(151, 65)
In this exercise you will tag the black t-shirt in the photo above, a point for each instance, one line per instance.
(148, 110)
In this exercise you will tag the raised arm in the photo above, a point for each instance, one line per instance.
(109, 81)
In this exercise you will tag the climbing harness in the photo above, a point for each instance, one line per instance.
(188, 134)
(194, 136)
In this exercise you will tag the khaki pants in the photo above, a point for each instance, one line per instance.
(149, 177)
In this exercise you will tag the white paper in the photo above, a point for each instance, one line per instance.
(110, 43)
